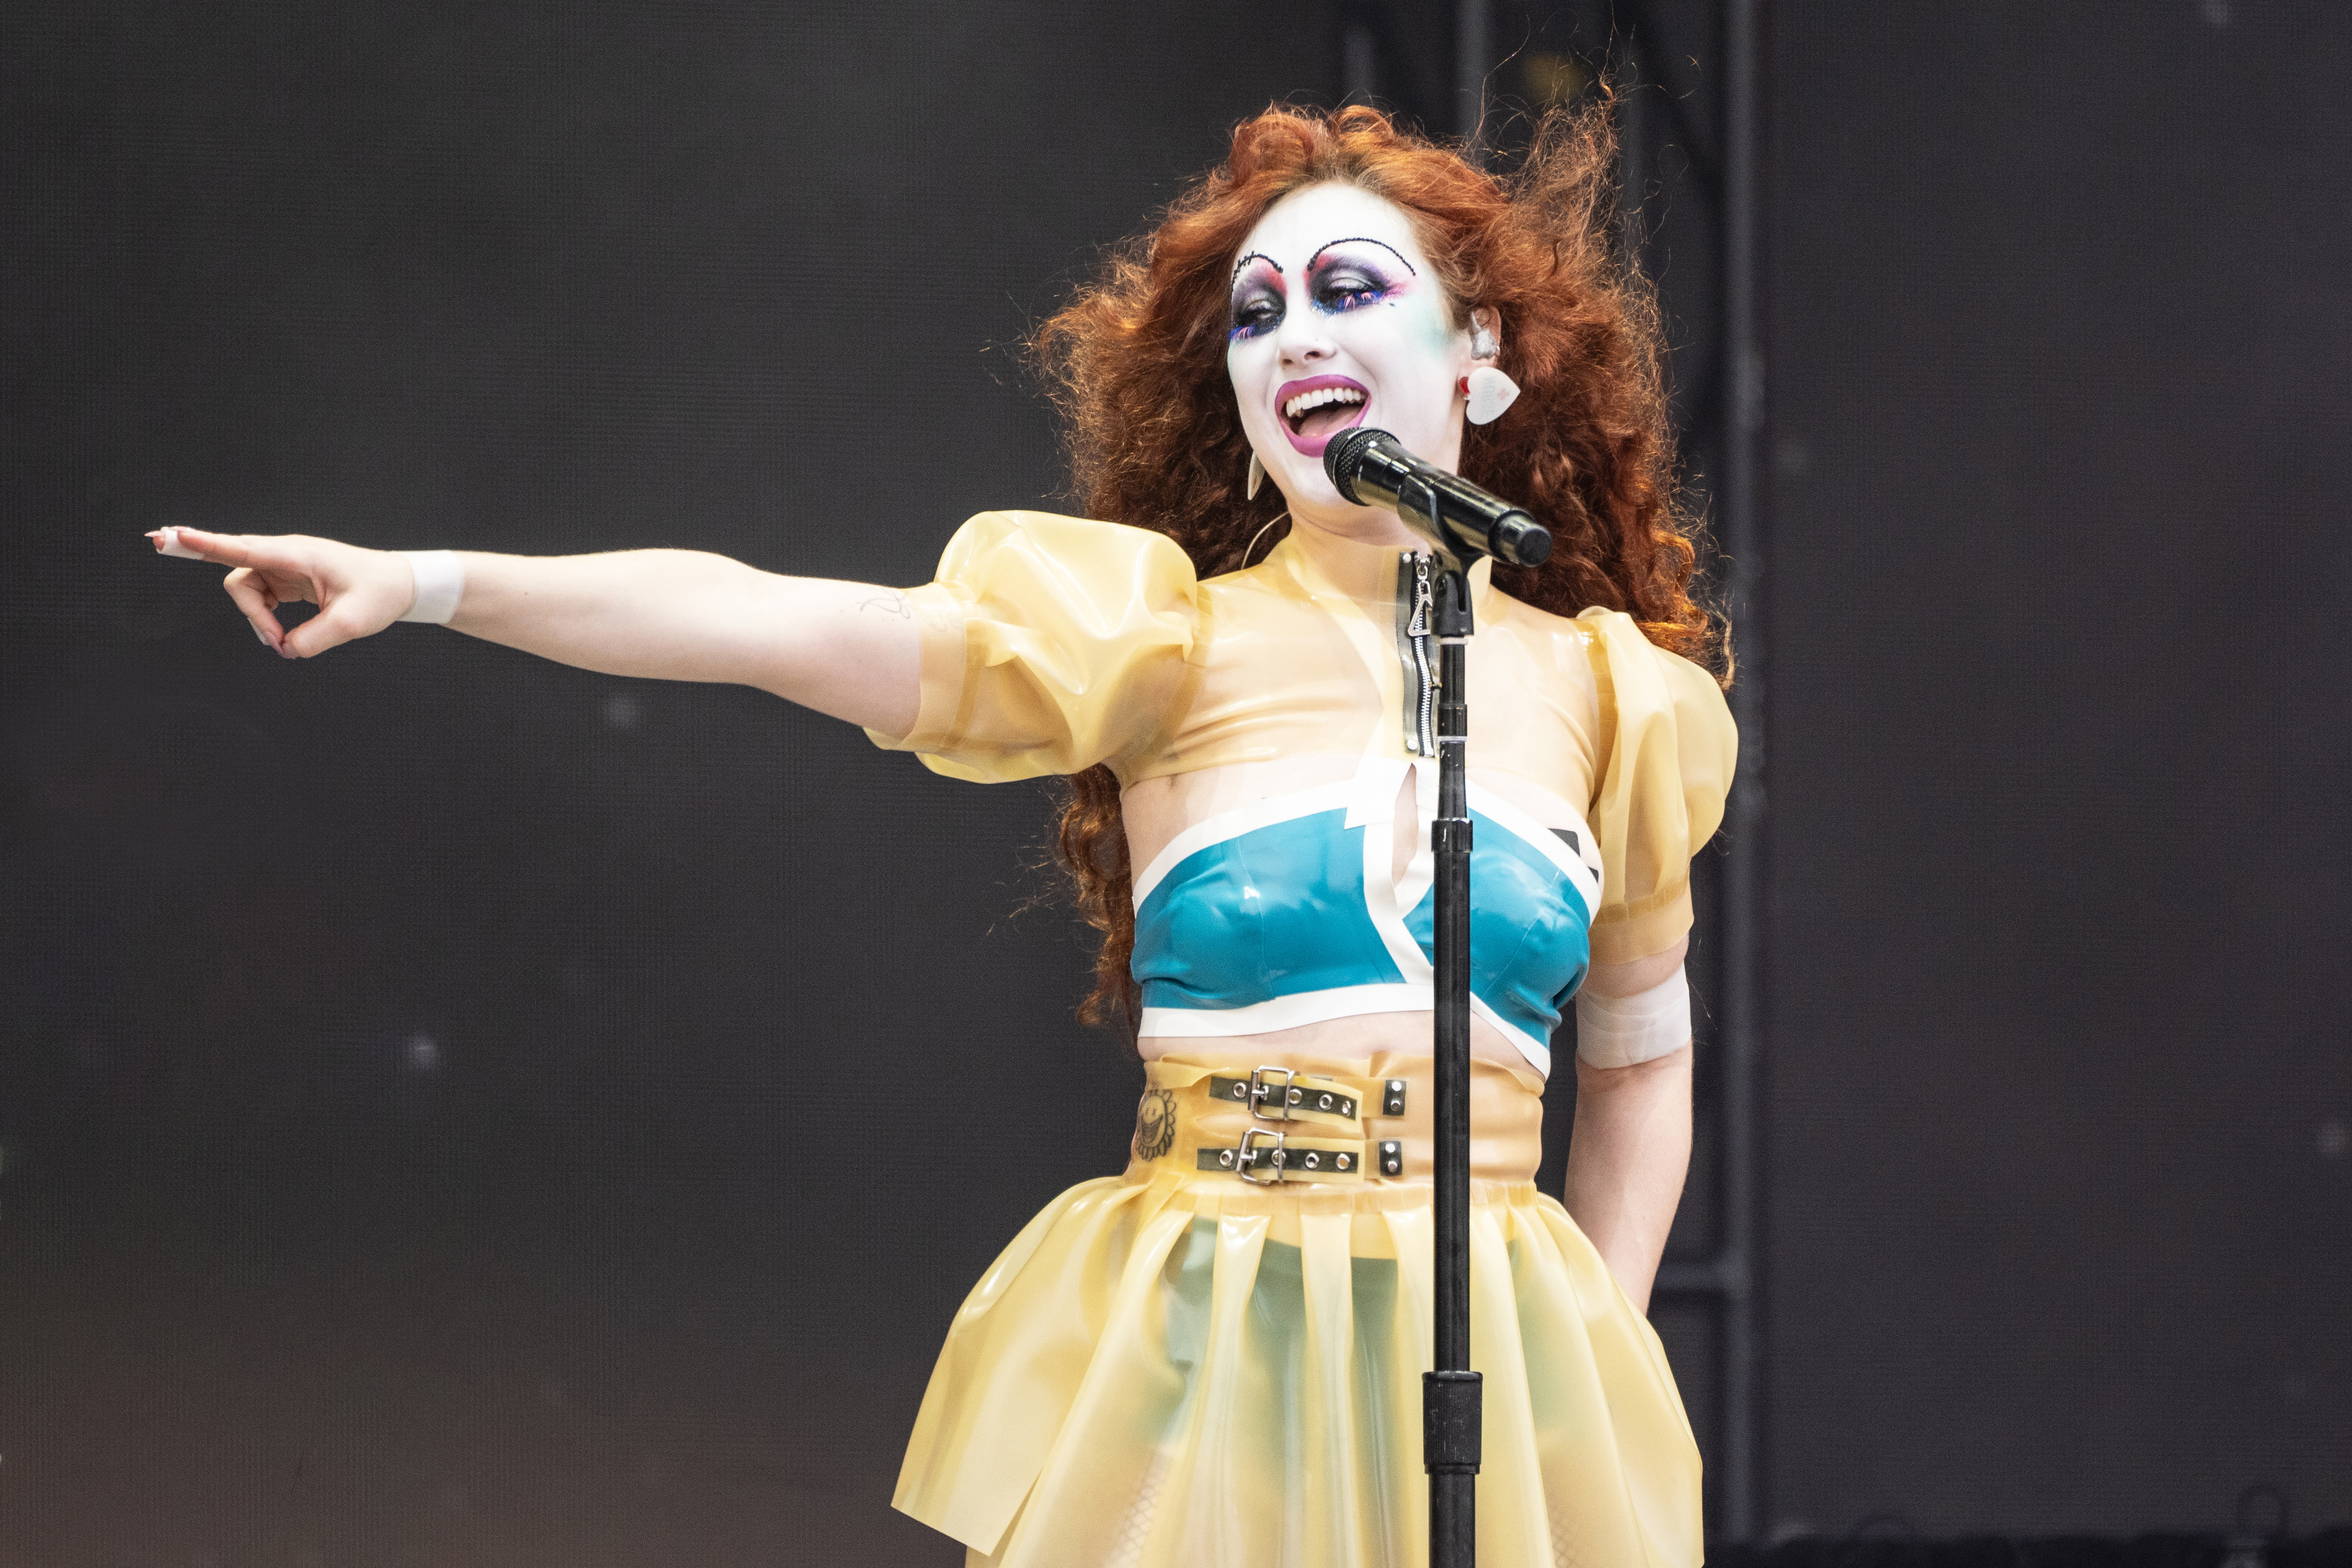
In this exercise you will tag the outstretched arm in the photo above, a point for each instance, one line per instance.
(1630, 1150)
(848, 649)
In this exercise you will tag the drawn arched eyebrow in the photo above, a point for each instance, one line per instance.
(1361, 239)
(1261, 255)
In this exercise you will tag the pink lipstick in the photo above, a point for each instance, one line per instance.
(1325, 416)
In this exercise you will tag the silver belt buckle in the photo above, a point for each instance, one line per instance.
(1260, 1091)
(1245, 1161)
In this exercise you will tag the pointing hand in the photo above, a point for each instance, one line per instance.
(358, 593)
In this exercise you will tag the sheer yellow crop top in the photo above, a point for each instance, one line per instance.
(1053, 643)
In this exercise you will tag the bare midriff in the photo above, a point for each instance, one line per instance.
(1354, 1041)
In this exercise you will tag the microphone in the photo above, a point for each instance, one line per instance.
(1371, 467)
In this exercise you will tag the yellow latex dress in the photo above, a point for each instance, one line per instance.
(1175, 1367)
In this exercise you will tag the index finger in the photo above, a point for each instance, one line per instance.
(225, 549)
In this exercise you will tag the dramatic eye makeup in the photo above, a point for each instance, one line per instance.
(1257, 296)
(1348, 274)
(1342, 275)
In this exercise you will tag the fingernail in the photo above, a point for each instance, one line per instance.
(260, 633)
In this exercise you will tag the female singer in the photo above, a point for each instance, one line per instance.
(1214, 1359)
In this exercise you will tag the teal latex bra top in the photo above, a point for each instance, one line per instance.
(1286, 912)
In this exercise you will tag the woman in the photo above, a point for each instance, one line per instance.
(1214, 1358)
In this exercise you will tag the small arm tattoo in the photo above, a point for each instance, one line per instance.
(890, 605)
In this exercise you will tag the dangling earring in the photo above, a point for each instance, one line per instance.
(1259, 535)
(1490, 392)
(1257, 473)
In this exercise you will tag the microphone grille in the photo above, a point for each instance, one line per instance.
(1343, 459)
(1521, 540)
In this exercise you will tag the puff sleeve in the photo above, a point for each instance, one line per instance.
(1669, 749)
(1049, 644)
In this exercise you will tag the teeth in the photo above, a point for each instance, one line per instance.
(1305, 401)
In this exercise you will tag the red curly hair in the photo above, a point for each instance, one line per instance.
(1137, 366)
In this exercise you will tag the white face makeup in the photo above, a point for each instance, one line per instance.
(1339, 319)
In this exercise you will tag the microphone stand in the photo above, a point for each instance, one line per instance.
(1451, 1396)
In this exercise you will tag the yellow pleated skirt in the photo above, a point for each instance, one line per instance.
(1177, 1368)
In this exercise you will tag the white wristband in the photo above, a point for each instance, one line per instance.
(440, 584)
(1619, 1031)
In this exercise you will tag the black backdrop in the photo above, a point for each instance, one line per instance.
(2061, 1207)
(439, 1105)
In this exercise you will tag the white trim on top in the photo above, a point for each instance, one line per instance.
(1283, 1012)
(1421, 870)
(1537, 1051)
(1377, 807)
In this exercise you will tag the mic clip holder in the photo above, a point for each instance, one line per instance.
(1450, 607)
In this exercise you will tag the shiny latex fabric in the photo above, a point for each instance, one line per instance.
(1175, 1369)
(1171, 1369)
(1052, 643)
(1287, 911)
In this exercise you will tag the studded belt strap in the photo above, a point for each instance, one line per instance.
(1278, 1094)
(1267, 1155)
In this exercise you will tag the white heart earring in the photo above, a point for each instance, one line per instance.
(1257, 473)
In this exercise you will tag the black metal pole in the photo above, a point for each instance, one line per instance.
(1451, 1405)
(1472, 25)
(1451, 1396)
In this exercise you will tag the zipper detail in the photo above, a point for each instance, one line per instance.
(1420, 737)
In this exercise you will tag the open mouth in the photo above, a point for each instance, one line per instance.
(1314, 410)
